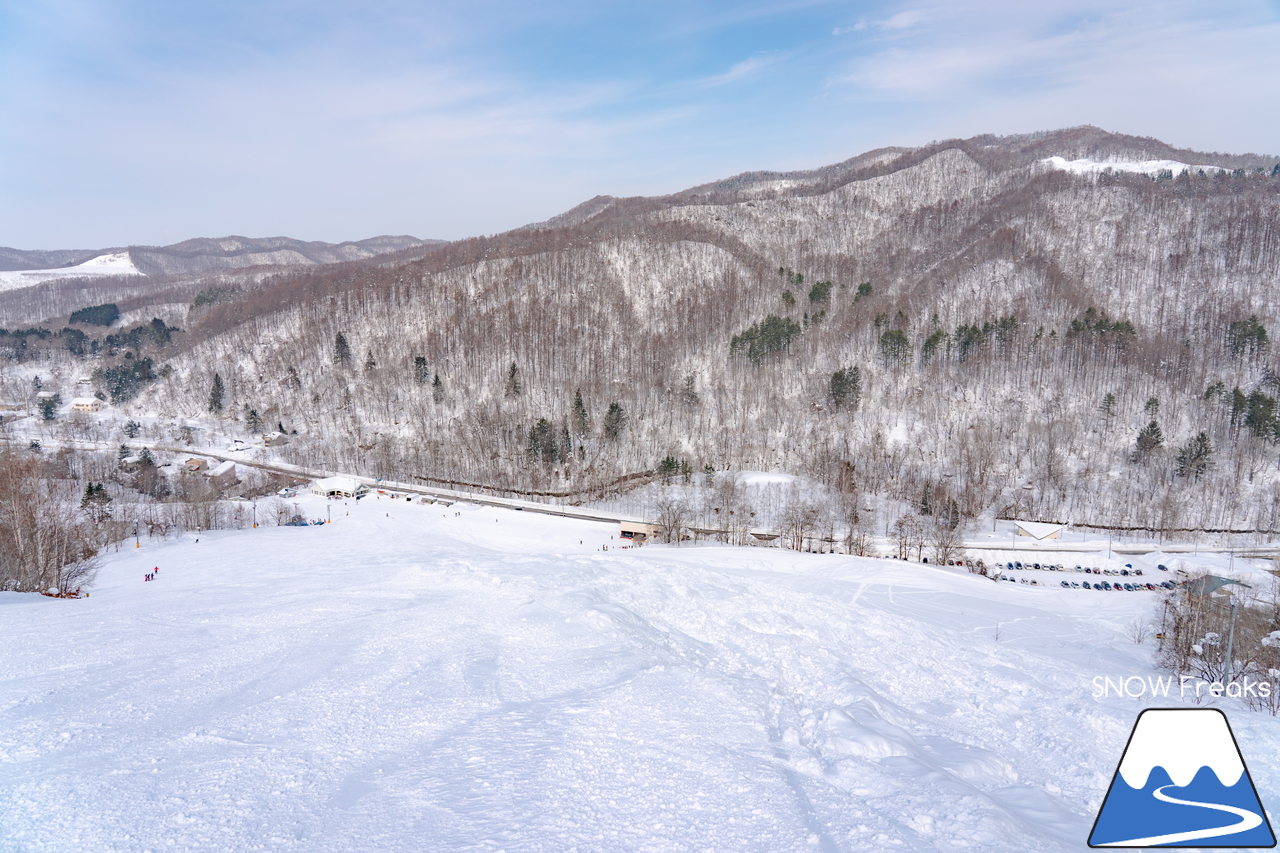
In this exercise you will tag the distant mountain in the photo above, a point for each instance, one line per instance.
(215, 254)
(1070, 325)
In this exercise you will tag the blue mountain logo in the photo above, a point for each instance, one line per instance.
(1182, 783)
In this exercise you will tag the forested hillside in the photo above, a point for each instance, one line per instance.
(958, 325)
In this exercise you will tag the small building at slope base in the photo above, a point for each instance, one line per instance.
(339, 487)
(1040, 530)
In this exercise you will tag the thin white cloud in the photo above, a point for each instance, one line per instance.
(741, 70)
(336, 135)
(1045, 46)
(903, 20)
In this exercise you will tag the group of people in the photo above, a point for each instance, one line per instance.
(151, 575)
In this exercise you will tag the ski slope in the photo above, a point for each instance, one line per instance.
(114, 264)
(416, 678)
(1145, 167)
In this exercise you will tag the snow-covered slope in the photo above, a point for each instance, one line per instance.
(1087, 166)
(115, 264)
(414, 678)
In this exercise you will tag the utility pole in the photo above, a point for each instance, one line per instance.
(1231, 638)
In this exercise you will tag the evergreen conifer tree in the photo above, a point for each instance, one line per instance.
(845, 388)
(341, 350)
(49, 407)
(216, 394)
(615, 420)
(1149, 438)
(689, 396)
(1195, 457)
(542, 443)
(581, 418)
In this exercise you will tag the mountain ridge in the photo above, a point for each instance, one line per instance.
(205, 254)
(992, 324)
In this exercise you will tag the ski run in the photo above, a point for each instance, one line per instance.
(467, 678)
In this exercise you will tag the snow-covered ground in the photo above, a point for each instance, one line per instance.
(1145, 167)
(118, 263)
(416, 678)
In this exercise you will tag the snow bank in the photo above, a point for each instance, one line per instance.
(412, 678)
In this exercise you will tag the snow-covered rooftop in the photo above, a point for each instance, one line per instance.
(337, 484)
(1039, 529)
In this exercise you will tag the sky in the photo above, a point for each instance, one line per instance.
(147, 122)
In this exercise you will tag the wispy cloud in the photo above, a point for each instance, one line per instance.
(741, 70)
(146, 121)
(900, 21)
(1049, 47)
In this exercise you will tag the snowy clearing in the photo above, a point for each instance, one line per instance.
(1145, 167)
(418, 678)
(118, 263)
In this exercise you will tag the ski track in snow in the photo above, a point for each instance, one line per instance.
(482, 682)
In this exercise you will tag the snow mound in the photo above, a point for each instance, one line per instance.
(1144, 167)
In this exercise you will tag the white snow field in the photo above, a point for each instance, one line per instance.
(414, 678)
(1145, 167)
(118, 263)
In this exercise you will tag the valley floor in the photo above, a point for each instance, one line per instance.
(418, 678)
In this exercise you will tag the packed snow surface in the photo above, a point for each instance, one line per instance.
(119, 263)
(418, 678)
(1146, 167)
(761, 478)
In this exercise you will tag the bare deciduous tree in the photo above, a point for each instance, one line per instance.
(46, 543)
(673, 518)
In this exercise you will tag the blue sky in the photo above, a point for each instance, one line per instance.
(151, 122)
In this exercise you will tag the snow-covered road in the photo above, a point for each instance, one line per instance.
(412, 678)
